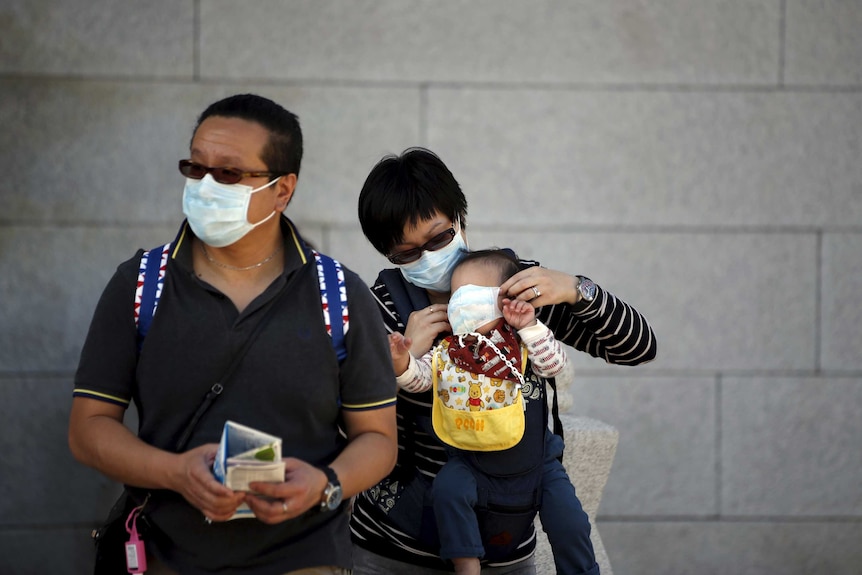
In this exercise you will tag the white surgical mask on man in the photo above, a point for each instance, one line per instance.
(433, 271)
(471, 307)
(218, 213)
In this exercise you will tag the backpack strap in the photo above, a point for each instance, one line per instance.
(332, 289)
(151, 280)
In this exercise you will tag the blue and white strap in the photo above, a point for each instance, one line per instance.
(332, 288)
(151, 280)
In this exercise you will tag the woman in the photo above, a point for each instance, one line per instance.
(413, 211)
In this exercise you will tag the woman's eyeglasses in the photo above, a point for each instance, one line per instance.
(441, 240)
(197, 171)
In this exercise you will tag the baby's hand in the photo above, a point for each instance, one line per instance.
(517, 313)
(399, 347)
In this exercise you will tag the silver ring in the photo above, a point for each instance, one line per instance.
(536, 291)
(284, 506)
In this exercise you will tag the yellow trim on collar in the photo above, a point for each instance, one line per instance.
(296, 241)
(180, 240)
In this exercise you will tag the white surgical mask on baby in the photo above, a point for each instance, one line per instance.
(433, 271)
(471, 307)
(218, 213)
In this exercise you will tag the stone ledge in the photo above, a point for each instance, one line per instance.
(590, 449)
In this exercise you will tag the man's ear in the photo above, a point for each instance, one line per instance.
(285, 187)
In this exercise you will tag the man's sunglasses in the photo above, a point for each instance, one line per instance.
(441, 240)
(196, 171)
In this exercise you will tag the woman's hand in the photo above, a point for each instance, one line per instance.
(424, 325)
(540, 286)
(301, 490)
(197, 484)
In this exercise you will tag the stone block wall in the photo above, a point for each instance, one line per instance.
(702, 160)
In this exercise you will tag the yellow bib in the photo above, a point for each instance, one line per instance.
(474, 412)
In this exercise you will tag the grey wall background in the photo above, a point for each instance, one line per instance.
(701, 159)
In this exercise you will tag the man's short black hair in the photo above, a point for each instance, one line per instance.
(407, 189)
(283, 153)
(503, 261)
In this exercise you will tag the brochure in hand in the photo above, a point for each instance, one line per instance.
(245, 455)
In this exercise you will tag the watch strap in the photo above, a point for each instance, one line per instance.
(331, 477)
(331, 497)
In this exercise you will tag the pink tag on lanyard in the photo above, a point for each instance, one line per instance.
(136, 555)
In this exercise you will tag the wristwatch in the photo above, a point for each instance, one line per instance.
(586, 288)
(332, 494)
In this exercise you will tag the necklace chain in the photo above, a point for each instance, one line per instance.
(237, 268)
(499, 353)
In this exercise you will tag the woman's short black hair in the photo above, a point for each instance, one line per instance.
(283, 153)
(407, 189)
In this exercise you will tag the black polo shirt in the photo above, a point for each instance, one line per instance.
(288, 384)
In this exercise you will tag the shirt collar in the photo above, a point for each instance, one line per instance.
(297, 252)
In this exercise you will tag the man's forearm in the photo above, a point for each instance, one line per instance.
(367, 459)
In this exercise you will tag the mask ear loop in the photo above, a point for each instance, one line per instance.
(271, 214)
(265, 186)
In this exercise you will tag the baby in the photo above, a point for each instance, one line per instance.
(488, 332)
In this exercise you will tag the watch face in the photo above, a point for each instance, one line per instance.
(587, 289)
(333, 497)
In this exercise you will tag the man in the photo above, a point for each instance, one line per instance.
(238, 260)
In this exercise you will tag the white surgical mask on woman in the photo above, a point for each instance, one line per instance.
(218, 213)
(433, 271)
(471, 307)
